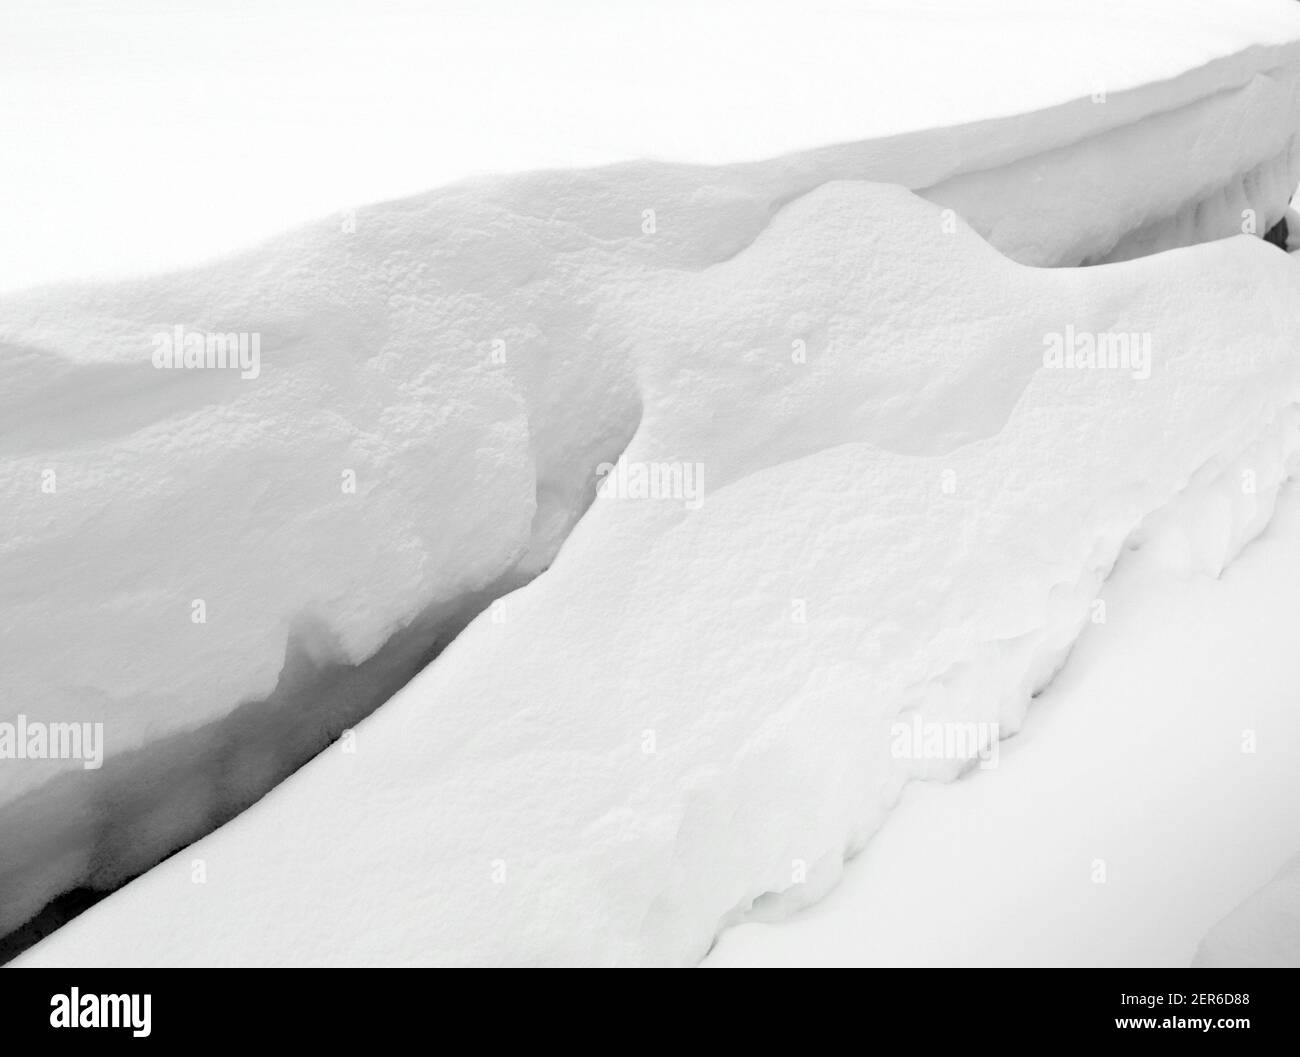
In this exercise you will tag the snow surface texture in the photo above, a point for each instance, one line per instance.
(1263, 931)
(546, 320)
(694, 723)
(516, 308)
(1152, 786)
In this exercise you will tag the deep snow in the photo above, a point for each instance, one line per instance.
(1164, 750)
(507, 305)
(799, 349)
(694, 720)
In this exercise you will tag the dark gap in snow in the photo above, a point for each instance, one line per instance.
(88, 832)
(73, 840)
(1279, 234)
(57, 912)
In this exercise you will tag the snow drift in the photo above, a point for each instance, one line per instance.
(440, 384)
(908, 508)
(1151, 787)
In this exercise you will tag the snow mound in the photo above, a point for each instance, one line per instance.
(424, 394)
(1151, 785)
(864, 489)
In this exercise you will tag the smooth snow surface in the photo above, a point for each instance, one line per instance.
(687, 719)
(1263, 931)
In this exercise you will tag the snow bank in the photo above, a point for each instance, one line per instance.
(1152, 785)
(438, 379)
(1263, 932)
(906, 513)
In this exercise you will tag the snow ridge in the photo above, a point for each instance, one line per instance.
(944, 505)
(481, 350)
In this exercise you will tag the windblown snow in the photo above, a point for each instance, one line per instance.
(801, 450)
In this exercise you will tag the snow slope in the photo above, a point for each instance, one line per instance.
(905, 513)
(442, 376)
(1263, 931)
(333, 534)
(1150, 789)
